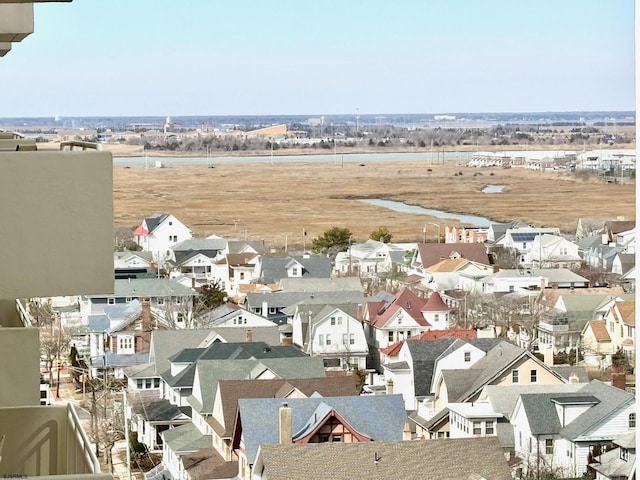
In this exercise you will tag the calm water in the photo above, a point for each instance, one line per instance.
(431, 157)
(473, 220)
(493, 189)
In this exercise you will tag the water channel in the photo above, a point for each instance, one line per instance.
(473, 220)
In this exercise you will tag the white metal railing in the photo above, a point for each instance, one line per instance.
(25, 316)
(80, 456)
(154, 471)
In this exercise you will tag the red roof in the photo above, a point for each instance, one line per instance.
(141, 231)
(393, 349)
(435, 304)
(460, 333)
(406, 300)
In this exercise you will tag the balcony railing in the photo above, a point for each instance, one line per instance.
(46, 441)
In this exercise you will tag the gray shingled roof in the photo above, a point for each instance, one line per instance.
(165, 343)
(155, 410)
(147, 287)
(200, 244)
(380, 417)
(444, 459)
(154, 220)
(327, 284)
(275, 268)
(186, 438)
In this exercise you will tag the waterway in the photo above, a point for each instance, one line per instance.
(473, 220)
(493, 189)
(427, 157)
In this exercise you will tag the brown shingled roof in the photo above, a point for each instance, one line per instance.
(599, 329)
(627, 312)
(435, 304)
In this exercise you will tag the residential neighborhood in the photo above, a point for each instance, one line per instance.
(230, 355)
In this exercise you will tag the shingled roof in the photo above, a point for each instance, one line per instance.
(444, 459)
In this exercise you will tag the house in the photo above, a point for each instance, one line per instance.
(132, 264)
(268, 421)
(390, 319)
(228, 392)
(195, 259)
(564, 314)
(369, 259)
(158, 233)
(120, 337)
(242, 269)
(271, 305)
(619, 462)
(528, 279)
(460, 459)
(428, 254)
(274, 269)
(463, 234)
(169, 301)
(457, 273)
(332, 332)
(232, 315)
(596, 344)
(557, 432)
(551, 251)
(620, 322)
(521, 240)
(208, 374)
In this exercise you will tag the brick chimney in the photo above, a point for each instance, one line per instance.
(548, 356)
(248, 336)
(285, 424)
(619, 380)
(390, 387)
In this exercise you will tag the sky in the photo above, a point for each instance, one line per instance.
(258, 57)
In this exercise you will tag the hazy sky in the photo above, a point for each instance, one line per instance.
(207, 57)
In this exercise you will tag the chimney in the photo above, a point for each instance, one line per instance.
(390, 387)
(285, 424)
(619, 380)
(248, 336)
(406, 432)
(573, 378)
(542, 283)
(265, 308)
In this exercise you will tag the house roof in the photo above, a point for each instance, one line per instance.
(232, 390)
(627, 312)
(154, 220)
(186, 438)
(448, 265)
(435, 304)
(274, 269)
(381, 312)
(200, 244)
(433, 253)
(259, 418)
(445, 459)
(165, 343)
(207, 464)
(210, 372)
(286, 299)
(153, 409)
(338, 284)
(240, 259)
(599, 329)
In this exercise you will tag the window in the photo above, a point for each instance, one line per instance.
(294, 271)
(140, 383)
(333, 320)
(156, 383)
(511, 288)
(467, 356)
(515, 376)
(390, 337)
(352, 339)
(477, 428)
(125, 344)
(345, 339)
(111, 301)
(632, 420)
(180, 318)
(128, 299)
(548, 446)
(328, 339)
(488, 427)
(241, 275)
(321, 339)
(160, 301)
(178, 300)
(624, 454)
(436, 317)
(336, 438)
(534, 376)
(173, 238)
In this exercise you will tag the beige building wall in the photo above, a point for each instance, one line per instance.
(16, 21)
(56, 212)
(20, 371)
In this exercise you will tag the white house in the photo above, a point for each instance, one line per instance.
(159, 232)
(527, 279)
(369, 258)
(556, 432)
(551, 251)
(332, 332)
(522, 239)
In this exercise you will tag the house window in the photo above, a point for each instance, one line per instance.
(173, 238)
(125, 344)
(336, 438)
(467, 356)
(156, 383)
(511, 288)
(321, 339)
(624, 454)
(241, 275)
(328, 339)
(632, 420)
(180, 318)
(333, 320)
(128, 299)
(178, 300)
(477, 428)
(488, 427)
(140, 383)
(548, 446)
(294, 271)
(272, 309)
(534, 376)
(345, 338)
(515, 376)
(160, 301)
(436, 317)
(390, 337)
(352, 339)
(111, 301)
